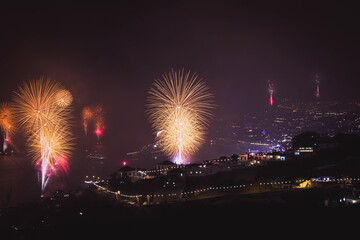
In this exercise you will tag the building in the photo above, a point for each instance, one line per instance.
(275, 156)
(243, 157)
(196, 170)
(165, 165)
(259, 156)
(129, 173)
(304, 151)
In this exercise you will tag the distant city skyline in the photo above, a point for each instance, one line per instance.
(274, 129)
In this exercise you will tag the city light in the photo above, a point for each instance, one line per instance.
(240, 187)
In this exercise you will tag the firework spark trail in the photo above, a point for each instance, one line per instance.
(94, 116)
(317, 82)
(45, 159)
(99, 121)
(271, 92)
(87, 116)
(180, 107)
(46, 121)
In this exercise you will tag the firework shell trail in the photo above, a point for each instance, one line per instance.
(271, 92)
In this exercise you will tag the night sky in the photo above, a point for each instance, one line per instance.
(111, 54)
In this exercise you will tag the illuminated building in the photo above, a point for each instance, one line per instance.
(128, 173)
(305, 149)
(165, 165)
(275, 156)
(243, 157)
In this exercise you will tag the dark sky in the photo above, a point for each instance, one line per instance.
(111, 54)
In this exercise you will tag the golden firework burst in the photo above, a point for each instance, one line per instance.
(46, 122)
(64, 98)
(7, 118)
(180, 107)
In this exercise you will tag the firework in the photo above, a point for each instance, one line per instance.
(46, 123)
(317, 82)
(6, 123)
(99, 121)
(51, 148)
(64, 98)
(87, 116)
(271, 92)
(180, 107)
(35, 104)
(94, 116)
